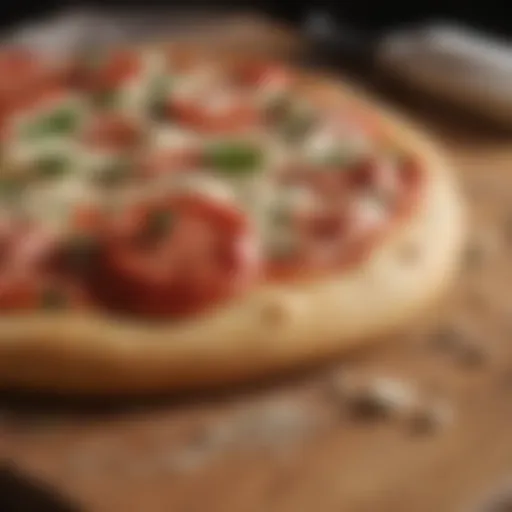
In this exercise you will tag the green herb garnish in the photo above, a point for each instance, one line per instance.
(105, 99)
(63, 121)
(159, 224)
(296, 126)
(158, 93)
(114, 174)
(234, 158)
(52, 166)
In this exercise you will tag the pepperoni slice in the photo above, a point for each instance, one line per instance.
(176, 257)
(216, 115)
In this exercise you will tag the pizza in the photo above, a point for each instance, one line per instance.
(171, 218)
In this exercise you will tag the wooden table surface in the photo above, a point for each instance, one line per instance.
(285, 446)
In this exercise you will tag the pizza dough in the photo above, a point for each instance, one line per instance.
(271, 328)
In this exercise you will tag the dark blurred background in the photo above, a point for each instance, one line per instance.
(367, 14)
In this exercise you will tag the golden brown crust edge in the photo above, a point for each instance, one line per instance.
(272, 329)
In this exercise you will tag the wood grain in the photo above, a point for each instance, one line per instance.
(122, 457)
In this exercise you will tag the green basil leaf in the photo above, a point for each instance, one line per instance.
(105, 99)
(52, 166)
(296, 126)
(158, 94)
(114, 174)
(234, 157)
(63, 121)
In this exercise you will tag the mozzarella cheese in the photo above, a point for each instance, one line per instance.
(368, 214)
(259, 194)
(53, 202)
(135, 95)
(172, 138)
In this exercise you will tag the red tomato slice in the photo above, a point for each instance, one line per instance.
(24, 76)
(115, 70)
(27, 101)
(20, 68)
(112, 131)
(233, 115)
(207, 254)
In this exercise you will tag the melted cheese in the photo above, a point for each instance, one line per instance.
(135, 95)
(258, 194)
(205, 185)
(53, 202)
(172, 138)
(368, 214)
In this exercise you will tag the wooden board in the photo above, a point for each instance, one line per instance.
(286, 446)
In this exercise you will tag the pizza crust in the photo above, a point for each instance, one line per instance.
(273, 328)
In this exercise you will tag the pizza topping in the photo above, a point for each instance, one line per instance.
(198, 254)
(80, 252)
(158, 225)
(234, 157)
(294, 119)
(161, 185)
(62, 121)
(112, 131)
(53, 298)
(113, 173)
(52, 166)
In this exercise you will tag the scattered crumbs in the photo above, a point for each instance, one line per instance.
(431, 416)
(278, 425)
(386, 397)
(462, 347)
(374, 397)
(274, 423)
